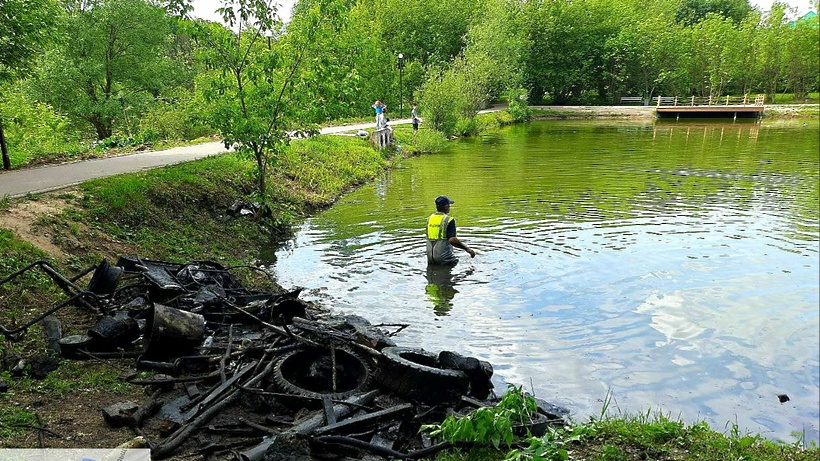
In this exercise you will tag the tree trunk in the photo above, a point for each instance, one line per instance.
(101, 126)
(3, 148)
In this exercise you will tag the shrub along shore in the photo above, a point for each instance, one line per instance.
(180, 213)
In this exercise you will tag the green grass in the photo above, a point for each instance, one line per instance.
(324, 167)
(789, 98)
(75, 376)
(607, 438)
(15, 422)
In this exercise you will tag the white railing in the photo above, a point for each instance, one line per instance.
(663, 101)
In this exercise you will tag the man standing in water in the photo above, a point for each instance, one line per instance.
(441, 235)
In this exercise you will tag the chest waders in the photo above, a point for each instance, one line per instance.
(439, 249)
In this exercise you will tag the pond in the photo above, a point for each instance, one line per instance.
(671, 265)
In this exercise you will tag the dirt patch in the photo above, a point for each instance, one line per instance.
(76, 425)
(33, 221)
(24, 218)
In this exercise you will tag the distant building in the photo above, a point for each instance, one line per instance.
(805, 18)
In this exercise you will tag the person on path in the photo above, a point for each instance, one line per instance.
(414, 117)
(379, 107)
(441, 235)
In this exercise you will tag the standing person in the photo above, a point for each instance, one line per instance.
(378, 106)
(441, 235)
(414, 117)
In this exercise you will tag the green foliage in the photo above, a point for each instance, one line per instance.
(335, 58)
(518, 107)
(110, 60)
(318, 170)
(495, 49)
(259, 92)
(567, 46)
(176, 212)
(467, 127)
(801, 65)
(606, 438)
(492, 425)
(72, 376)
(451, 98)
(30, 291)
(24, 29)
(15, 254)
(34, 131)
(429, 31)
(15, 421)
(124, 199)
(693, 11)
(429, 140)
(173, 118)
(552, 446)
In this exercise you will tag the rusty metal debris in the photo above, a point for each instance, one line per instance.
(240, 374)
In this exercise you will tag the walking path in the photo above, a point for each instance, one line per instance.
(17, 183)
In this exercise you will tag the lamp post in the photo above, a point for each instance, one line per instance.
(401, 100)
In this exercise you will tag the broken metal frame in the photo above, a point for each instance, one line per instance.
(75, 293)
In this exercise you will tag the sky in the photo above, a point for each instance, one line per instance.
(803, 6)
(205, 8)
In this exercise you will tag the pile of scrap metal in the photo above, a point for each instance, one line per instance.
(238, 374)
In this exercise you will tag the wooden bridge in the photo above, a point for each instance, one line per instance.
(744, 107)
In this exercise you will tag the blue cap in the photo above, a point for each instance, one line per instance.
(442, 200)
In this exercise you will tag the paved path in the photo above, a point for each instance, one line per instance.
(18, 183)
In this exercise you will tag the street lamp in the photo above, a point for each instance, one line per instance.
(401, 100)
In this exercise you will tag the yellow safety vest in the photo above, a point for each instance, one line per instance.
(437, 226)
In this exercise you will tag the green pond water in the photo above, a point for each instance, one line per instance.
(673, 264)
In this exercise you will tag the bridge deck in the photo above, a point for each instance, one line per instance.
(693, 106)
(698, 109)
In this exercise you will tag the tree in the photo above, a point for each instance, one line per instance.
(710, 69)
(743, 54)
(430, 31)
(495, 47)
(647, 56)
(567, 48)
(356, 66)
(772, 44)
(802, 60)
(25, 26)
(692, 12)
(112, 59)
(258, 92)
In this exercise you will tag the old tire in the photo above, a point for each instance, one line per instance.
(308, 373)
(416, 373)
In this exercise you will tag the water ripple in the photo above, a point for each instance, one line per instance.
(673, 265)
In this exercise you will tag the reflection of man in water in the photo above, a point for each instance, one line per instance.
(441, 235)
(441, 286)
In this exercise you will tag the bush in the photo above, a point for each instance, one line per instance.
(441, 100)
(172, 119)
(429, 140)
(34, 131)
(518, 106)
(467, 126)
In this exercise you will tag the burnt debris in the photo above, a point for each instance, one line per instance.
(232, 373)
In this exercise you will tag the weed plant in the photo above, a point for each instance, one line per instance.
(607, 438)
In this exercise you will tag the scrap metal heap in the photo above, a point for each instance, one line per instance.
(239, 374)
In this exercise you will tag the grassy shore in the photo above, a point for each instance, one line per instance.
(179, 213)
